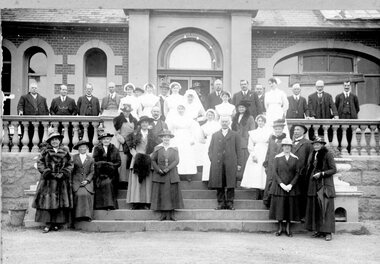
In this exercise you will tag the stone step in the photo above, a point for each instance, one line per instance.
(207, 204)
(205, 194)
(201, 226)
(192, 177)
(193, 185)
(182, 214)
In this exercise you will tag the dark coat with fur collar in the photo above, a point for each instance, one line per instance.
(54, 188)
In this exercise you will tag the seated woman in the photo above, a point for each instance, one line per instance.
(166, 194)
(55, 165)
(285, 190)
(141, 144)
(107, 161)
(83, 187)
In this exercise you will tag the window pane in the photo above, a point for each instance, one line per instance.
(341, 64)
(368, 66)
(96, 63)
(315, 63)
(38, 63)
(190, 55)
(6, 55)
(369, 91)
(287, 66)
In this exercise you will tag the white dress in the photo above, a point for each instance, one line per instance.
(208, 129)
(225, 109)
(276, 104)
(185, 134)
(147, 102)
(254, 173)
(171, 103)
(134, 102)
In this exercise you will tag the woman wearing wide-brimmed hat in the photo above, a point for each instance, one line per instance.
(166, 193)
(285, 189)
(83, 186)
(107, 161)
(53, 199)
(141, 144)
(320, 215)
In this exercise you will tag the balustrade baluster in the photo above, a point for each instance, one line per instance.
(36, 138)
(25, 137)
(15, 138)
(85, 131)
(354, 141)
(5, 136)
(95, 140)
(372, 142)
(363, 141)
(316, 128)
(55, 125)
(334, 142)
(76, 134)
(66, 140)
(46, 126)
(344, 142)
(308, 129)
(326, 134)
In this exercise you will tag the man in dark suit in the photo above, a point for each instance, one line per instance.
(348, 107)
(88, 105)
(164, 88)
(63, 105)
(213, 98)
(110, 103)
(321, 104)
(259, 90)
(247, 95)
(226, 160)
(297, 104)
(158, 125)
(302, 148)
(33, 104)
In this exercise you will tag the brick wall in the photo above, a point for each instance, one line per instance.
(266, 43)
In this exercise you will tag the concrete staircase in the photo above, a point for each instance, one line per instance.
(198, 215)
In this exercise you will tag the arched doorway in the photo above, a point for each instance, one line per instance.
(95, 65)
(190, 56)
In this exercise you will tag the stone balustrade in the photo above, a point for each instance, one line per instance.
(364, 142)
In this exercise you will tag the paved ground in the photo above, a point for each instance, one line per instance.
(31, 246)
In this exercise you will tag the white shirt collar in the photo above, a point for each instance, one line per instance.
(144, 133)
(63, 98)
(296, 97)
(34, 95)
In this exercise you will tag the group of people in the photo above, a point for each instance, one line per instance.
(240, 139)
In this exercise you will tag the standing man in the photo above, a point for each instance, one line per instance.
(226, 160)
(33, 103)
(297, 104)
(302, 148)
(259, 90)
(321, 104)
(347, 104)
(88, 105)
(164, 88)
(158, 125)
(110, 103)
(63, 104)
(247, 95)
(213, 98)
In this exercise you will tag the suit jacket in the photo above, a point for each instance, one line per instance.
(68, 107)
(261, 103)
(158, 128)
(213, 100)
(28, 107)
(224, 150)
(107, 98)
(297, 109)
(83, 171)
(254, 108)
(88, 108)
(328, 108)
(242, 130)
(354, 106)
(303, 150)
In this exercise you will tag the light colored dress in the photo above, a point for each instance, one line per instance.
(208, 129)
(254, 173)
(225, 109)
(134, 102)
(171, 103)
(276, 104)
(186, 133)
(147, 102)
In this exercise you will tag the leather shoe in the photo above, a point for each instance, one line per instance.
(278, 233)
(162, 217)
(328, 237)
(172, 218)
(289, 233)
(219, 207)
(317, 234)
(46, 229)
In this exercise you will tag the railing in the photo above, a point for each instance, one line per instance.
(364, 142)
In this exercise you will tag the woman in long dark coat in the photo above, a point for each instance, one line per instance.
(166, 194)
(83, 186)
(243, 122)
(320, 215)
(107, 162)
(285, 190)
(53, 199)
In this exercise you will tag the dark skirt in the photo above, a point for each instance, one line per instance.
(105, 195)
(166, 196)
(284, 208)
(83, 203)
(314, 220)
(53, 216)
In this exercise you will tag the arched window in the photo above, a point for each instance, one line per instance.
(95, 63)
(190, 55)
(36, 67)
(6, 78)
